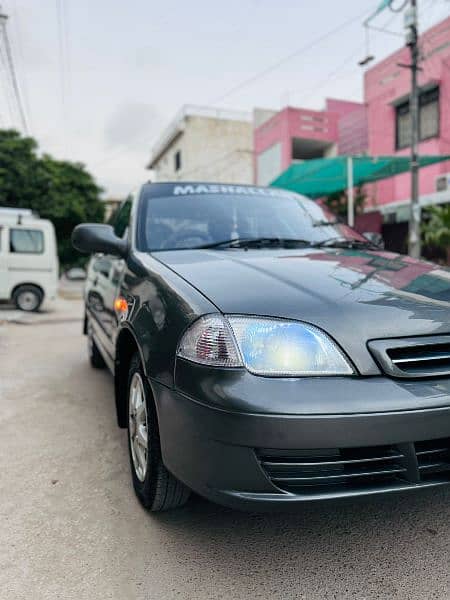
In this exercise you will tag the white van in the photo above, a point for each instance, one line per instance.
(28, 259)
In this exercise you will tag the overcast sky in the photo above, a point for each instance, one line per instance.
(127, 67)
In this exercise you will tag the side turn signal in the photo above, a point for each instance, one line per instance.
(120, 305)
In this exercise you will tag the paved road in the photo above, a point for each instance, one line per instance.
(72, 529)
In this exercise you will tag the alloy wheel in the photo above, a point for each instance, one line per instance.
(137, 426)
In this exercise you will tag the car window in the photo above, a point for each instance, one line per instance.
(187, 221)
(26, 241)
(122, 218)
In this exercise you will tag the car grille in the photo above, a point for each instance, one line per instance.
(414, 357)
(433, 458)
(352, 469)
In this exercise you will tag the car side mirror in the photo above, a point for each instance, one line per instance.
(375, 238)
(96, 237)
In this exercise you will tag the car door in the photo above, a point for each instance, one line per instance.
(104, 278)
(121, 225)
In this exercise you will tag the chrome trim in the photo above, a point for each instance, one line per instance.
(381, 349)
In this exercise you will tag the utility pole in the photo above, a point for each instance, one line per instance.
(415, 216)
(411, 26)
(11, 72)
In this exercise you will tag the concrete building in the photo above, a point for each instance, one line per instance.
(298, 134)
(207, 144)
(386, 91)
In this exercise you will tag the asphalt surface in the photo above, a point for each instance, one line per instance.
(70, 526)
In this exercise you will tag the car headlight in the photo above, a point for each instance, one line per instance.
(265, 346)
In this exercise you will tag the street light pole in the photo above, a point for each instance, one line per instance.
(414, 220)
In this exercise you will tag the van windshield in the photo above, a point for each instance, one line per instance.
(195, 221)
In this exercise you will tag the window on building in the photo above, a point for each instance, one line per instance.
(428, 119)
(403, 138)
(429, 114)
(26, 241)
(177, 160)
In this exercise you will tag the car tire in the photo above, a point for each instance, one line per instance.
(28, 298)
(156, 488)
(95, 358)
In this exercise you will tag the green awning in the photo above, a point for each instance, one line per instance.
(323, 176)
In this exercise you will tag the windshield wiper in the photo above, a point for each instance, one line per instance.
(261, 242)
(340, 242)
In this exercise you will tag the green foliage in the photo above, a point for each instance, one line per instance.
(61, 191)
(337, 202)
(436, 231)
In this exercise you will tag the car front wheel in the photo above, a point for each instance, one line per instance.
(156, 488)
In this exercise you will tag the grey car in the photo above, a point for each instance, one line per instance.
(265, 354)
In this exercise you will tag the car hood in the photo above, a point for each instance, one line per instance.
(354, 295)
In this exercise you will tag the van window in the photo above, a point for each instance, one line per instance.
(26, 241)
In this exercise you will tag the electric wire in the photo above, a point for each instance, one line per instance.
(22, 71)
(61, 19)
(273, 67)
(330, 77)
(13, 75)
(6, 80)
(255, 77)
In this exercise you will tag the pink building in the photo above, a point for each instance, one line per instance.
(379, 126)
(297, 134)
(386, 93)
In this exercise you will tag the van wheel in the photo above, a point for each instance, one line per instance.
(95, 358)
(156, 488)
(28, 298)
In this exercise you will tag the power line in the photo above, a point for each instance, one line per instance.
(287, 58)
(63, 53)
(260, 74)
(22, 70)
(330, 77)
(12, 72)
(351, 57)
(122, 150)
(6, 79)
(383, 29)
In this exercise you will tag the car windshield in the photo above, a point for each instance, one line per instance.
(200, 220)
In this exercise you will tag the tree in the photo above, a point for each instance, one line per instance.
(61, 191)
(72, 198)
(437, 230)
(20, 180)
(337, 202)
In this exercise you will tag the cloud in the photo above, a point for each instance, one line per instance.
(132, 123)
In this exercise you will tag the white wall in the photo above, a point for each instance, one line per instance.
(211, 150)
(269, 164)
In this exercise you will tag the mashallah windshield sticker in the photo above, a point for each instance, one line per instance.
(184, 190)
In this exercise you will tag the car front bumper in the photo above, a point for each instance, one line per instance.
(266, 443)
